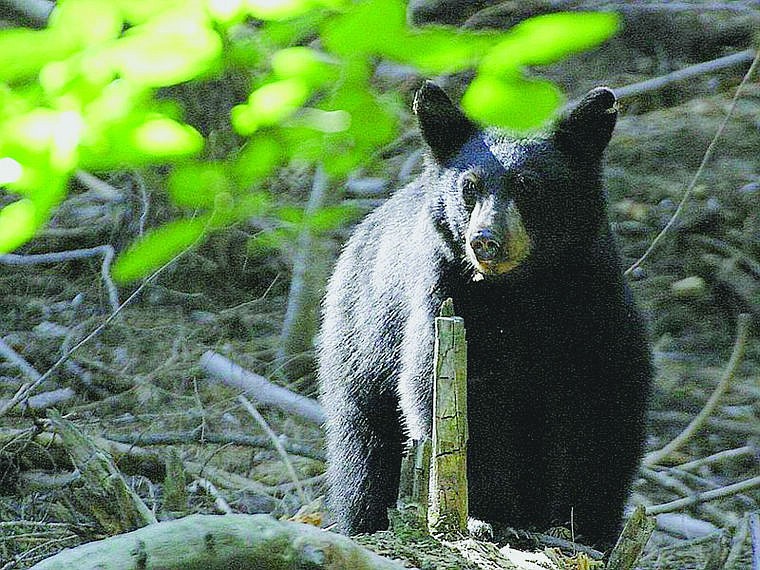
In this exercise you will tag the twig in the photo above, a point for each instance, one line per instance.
(251, 409)
(754, 533)
(220, 502)
(698, 173)
(258, 387)
(195, 436)
(671, 483)
(716, 457)
(710, 495)
(18, 361)
(742, 331)
(566, 545)
(737, 548)
(719, 424)
(25, 391)
(49, 399)
(686, 73)
(106, 251)
(101, 189)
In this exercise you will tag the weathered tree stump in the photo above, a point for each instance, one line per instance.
(448, 477)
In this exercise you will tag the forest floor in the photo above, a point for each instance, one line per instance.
(140, 381)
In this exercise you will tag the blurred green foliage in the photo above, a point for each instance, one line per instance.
(83, 94)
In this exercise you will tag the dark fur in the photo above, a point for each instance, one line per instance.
(558, 364)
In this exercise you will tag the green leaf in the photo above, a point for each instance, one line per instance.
(24, 52)
(266, 241)
(516, 103)
(277, 10)
(270, 104)
(304, 63)
(18, 222)
(330, 218)
(171, 48)
(257, 159)
(549, 38)
(157, 247)
(163, 137)
(44, 138)
(196, 185)
(366, 28)
(87, 22)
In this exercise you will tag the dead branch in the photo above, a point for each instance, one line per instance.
(705, 159)
(18, 361)
(195, 436)
(674, 485)
(230, 541)
(210, 489)
(26, 390)
(101, 189)
(46, 400)
(705, 496)
(106, 251)
(262, 390)
(251, 409)
(754, 533)
(101, 489)
(703, 68)
(717, 457)
(742, 331)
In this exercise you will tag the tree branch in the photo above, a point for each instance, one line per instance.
(742, 331)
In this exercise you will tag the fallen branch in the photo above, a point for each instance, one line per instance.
(754, 533)
(27, 389)
(210, 489)
(98, 187)
(256, 415)
(47, 400)
(716, 457)
(18, 361)
(101, 489)
(657, 83)
(106, 251)
(196, 436)
(230, 541)
(261, 389)
(705, 496)
(742, 331)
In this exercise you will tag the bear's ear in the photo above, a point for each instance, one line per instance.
(444, 127)
(587, 128)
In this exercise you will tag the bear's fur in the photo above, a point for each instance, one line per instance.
(516, 233)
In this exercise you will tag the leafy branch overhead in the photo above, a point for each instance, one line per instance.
(87, 92)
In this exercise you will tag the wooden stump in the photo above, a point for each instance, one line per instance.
(448, 476)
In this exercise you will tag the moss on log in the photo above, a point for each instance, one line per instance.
(209, 542)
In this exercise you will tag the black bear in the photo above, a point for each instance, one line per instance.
(515, 231)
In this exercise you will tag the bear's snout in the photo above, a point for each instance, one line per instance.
(484, 245)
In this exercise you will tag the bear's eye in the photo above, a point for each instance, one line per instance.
(470, 188)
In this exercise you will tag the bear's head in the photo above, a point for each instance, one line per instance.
(507, 201)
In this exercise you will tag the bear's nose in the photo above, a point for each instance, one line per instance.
(484, 245)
